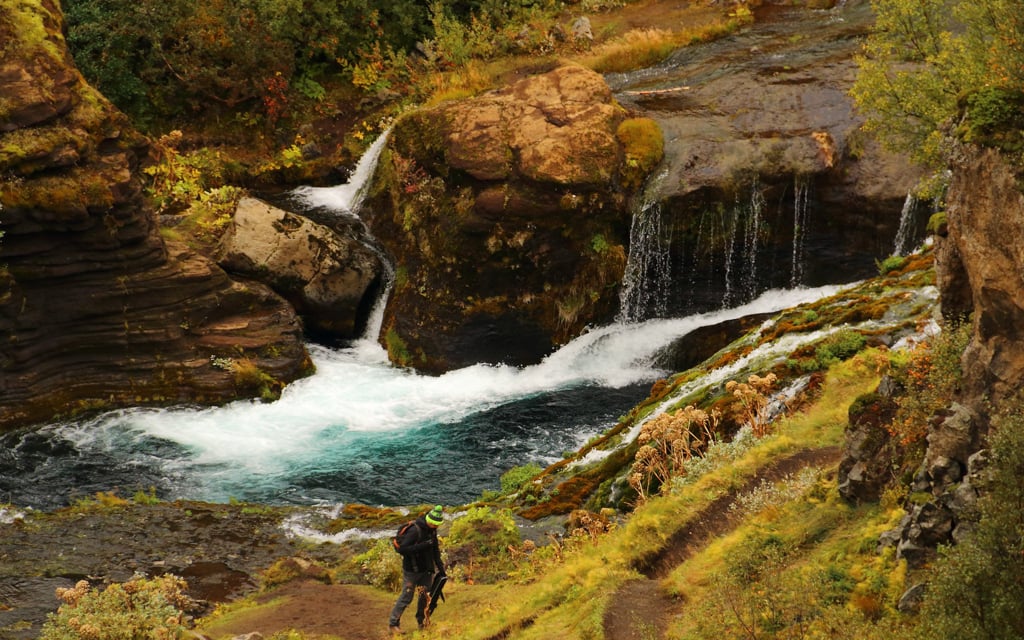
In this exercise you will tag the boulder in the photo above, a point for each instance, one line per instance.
(910, 601)
(868, 454)
(925, 527)
(506, 219)
(96, 310)
(950, 444)
(331, 279)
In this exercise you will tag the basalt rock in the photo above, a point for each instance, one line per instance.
(769, 181)
(506, 216)
(96, 310)
(985, 217)
(869, 450)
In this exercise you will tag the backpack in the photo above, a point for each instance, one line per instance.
(396, 540)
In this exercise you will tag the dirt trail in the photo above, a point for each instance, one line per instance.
(318, 610)
(640, 610)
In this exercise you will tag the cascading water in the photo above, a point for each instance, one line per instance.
(752, 238)
(742, 241)
(645, 283)
(800, 196)
(905, 233)
(360, 429)
(346, 198)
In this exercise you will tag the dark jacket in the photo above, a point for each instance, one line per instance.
(420, 549)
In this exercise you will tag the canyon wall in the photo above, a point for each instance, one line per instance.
(96, 309)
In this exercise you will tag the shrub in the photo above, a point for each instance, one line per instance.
(139, 608)
(478, 543)
(932, 372)
(991, 114)
(667, 442)
(960, 48)
(753, 395)
(381, 566)
(146, 497)
(101, 499)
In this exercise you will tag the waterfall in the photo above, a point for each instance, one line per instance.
(800, 193)
(752, 238)
(730, 248)
(698, 243)
(348, 197)
(743, 251)
(648, 274)
(905, 233)
(361, 429)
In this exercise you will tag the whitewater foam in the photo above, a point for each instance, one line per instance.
(357, 408)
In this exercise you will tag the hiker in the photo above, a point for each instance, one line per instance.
(421, 554)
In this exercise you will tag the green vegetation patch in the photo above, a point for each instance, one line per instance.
(644, 147)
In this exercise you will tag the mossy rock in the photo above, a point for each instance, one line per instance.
(643, 145)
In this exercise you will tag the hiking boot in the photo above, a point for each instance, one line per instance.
(394, 630)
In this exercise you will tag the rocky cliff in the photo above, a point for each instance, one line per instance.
(96, 310)
(980, 263)
(508, 213)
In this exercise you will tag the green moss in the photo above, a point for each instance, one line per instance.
(398, 351)
(419, 135)
(23, 31)
(937, 222)
(890, 264)
(643, 145)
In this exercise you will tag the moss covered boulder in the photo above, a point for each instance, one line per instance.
(507, 216)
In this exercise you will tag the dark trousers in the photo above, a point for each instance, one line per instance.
(412, 581)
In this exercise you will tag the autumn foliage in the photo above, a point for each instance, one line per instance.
(754, 397)
(666, 443)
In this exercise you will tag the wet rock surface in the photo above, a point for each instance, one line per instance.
(767, 179)
(218, 549)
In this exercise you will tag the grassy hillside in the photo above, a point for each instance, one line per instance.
(747, 538)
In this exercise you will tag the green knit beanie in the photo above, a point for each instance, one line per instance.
(436, 516)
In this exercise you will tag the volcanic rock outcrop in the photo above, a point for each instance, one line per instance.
(96, 309)
(980, 262)
(506, 215)
(768, 180)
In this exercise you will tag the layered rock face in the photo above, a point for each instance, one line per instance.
(506, 217)
(983, 257)
(96, 310)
